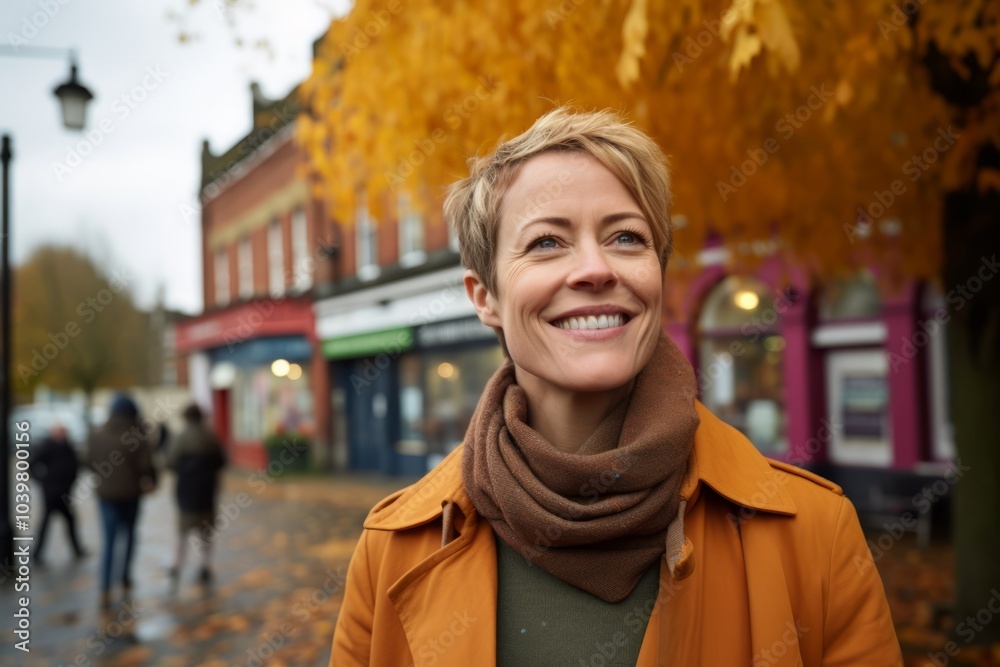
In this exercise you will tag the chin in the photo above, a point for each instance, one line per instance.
(593, 377)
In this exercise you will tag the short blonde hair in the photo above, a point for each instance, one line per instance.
(474, 205)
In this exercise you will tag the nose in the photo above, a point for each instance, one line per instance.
(593, 271)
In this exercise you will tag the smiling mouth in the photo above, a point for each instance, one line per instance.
(592, 321)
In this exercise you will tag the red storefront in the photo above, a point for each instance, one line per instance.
(257, 360)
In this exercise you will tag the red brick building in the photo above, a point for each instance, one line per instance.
(252, 356)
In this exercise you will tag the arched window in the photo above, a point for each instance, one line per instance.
(740, 361)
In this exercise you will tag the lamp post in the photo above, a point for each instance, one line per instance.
(73, 98)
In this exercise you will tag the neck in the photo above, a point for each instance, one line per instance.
(566, 419)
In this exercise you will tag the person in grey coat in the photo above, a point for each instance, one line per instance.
(121, 456)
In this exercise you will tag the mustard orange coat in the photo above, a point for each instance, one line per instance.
(775, 571)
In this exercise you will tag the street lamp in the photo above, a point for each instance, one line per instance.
(73, 98)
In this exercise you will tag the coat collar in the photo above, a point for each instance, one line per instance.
(722, 458)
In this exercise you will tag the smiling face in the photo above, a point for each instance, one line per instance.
(579, 284)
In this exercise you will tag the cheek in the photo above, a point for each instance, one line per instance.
(645, 280)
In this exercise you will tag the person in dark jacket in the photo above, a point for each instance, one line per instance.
(122, 458)
(54, 466)
(196, 455)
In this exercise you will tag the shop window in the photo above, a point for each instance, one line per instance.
(300, 251)
(851, 298)
(244, 268)
(275, 259)
(741, 360)
(411, 406)
(454, 381)
(367, 244)
(221, 277)
(272, 400)
(411, 234)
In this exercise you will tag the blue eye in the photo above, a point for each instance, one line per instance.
(544, 242)
(630, 238)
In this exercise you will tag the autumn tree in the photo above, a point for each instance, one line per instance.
(75, 324)
(849, 133)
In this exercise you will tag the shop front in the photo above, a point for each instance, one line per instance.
(268, 383)
(252, 368)
(408, 363)
(405, 396)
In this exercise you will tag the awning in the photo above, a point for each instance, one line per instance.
(390, 341)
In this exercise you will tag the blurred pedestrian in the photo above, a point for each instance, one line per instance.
(196, 455)
(162, 437)
(122, 458)
(54, 466)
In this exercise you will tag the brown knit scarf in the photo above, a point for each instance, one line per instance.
(598, 518)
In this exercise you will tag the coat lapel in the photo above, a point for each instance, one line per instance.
(448, 603)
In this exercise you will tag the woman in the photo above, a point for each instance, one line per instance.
(596, 513)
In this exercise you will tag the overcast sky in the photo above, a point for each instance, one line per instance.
(129, 202)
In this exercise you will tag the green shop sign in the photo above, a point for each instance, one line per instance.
(391, 342)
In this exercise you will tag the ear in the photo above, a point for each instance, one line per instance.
(481, 299)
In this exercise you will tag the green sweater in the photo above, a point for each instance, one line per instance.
(544, 621)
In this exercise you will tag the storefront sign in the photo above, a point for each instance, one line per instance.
(262, 351)
(391, 342)
(455, 331)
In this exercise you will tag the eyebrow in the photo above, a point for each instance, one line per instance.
(609, 219)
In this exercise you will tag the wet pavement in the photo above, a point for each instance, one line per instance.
(281, 554)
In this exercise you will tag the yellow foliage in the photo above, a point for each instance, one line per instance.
(779, 117)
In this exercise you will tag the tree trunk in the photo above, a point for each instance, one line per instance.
(972, 244)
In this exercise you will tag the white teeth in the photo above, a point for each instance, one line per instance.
(592, 322)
